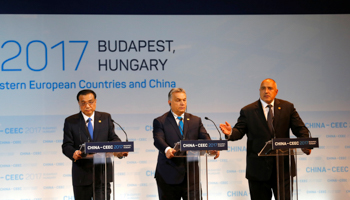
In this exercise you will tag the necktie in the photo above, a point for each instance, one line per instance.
(91, 130)
(270, 119)
(181, 125)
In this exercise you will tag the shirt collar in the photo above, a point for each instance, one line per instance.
(86, 117)
(264, 104)
(175, 116)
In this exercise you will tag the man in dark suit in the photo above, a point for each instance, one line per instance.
(76, 132)
(171, 173)
(254, 122)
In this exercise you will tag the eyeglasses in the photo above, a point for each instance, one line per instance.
(86, 103)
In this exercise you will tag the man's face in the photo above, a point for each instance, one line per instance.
(178, 103)
(268, 91)
(87, 104)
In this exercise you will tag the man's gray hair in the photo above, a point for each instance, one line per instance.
(175, 90)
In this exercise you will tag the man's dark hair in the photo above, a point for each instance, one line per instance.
(85, 92)
(175, 90)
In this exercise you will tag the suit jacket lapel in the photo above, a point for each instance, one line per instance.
(83, 128)
(171, 120)
(97, 125)
(277, 114)
(186, 121)
(261, 115)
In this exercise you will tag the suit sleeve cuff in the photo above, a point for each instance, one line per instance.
(228, 136)
(166, 150)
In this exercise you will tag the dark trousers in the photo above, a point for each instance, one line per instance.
(86, 192)
(177, 191)
(262, 190)
(82, 192)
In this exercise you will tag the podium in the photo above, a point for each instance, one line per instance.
(196, 153)
(102, 155)
(286, 151)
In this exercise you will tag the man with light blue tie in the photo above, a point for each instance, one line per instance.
(86, 126)
(168, 129)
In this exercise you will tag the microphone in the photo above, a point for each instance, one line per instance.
(126, 135)
(214, 125)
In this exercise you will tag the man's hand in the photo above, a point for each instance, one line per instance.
(217, 153)
(121, 154)
(77, 155)
(170, 153)
(306, 151)
(226, 128)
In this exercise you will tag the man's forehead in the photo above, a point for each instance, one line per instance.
(267, 83)
(87, 97)
(177, 94)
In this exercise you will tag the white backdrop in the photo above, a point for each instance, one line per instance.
(219, 60)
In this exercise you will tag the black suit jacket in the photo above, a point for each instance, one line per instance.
(252, 122)
(76, 133)
(166, 133)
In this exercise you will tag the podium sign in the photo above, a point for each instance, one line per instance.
(104, 147)
(288, 143)
(203, 145)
